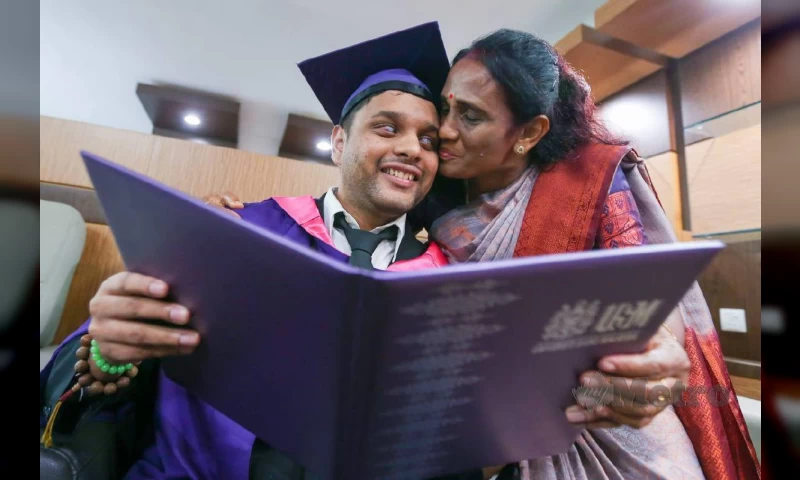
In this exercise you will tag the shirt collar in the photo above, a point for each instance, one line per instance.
(332, 206)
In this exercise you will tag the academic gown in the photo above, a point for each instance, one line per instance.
(192, 439)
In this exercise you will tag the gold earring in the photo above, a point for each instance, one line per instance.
(520, 149)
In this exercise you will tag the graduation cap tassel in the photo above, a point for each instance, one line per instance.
(47, 436)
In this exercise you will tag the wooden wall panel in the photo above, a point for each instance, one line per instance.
(100, 260)
(194, 168)
(663, 171)
(202, 169)
(722, 76)
(725, 182)
(61, 142)
(733, 280)
(639, 113)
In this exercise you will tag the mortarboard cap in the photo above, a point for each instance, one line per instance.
(412, 61)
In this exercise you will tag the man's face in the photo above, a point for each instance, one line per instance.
(389, 156)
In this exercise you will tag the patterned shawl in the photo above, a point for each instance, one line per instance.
(488, 227)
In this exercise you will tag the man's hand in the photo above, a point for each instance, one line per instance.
(117, 310)
(632, 389)
(225, 201)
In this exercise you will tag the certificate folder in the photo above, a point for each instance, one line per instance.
(363, 374)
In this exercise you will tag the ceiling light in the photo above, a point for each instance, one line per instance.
(324, 146)
(192, 119)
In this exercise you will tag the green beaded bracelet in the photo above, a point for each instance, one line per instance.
(103, 364)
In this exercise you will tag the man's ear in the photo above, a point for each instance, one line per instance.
(338, 140)
(533, 131)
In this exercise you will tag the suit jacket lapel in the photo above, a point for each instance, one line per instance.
(321, 205)
(410, 247)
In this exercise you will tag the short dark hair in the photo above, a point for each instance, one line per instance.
(537, 80)
(347, 121)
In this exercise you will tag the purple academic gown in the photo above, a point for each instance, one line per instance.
(192, 439)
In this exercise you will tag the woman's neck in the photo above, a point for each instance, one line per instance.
(494, 181)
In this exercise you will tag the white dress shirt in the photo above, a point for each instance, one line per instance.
(386, 252)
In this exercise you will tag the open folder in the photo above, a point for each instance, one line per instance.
(362, 374)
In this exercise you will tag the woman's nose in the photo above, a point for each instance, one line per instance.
(447, 132)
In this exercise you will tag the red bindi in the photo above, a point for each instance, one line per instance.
(451, 96)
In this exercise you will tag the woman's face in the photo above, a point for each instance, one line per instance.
(477, 134)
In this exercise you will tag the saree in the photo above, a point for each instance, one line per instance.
(569, 211)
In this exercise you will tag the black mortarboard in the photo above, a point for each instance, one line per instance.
(412, 61)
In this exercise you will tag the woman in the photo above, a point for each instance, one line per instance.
(532, 172)
(543, 176)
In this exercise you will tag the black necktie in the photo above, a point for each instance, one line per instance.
(362, 243)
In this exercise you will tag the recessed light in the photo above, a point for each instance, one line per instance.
(192, 119)
(324, 146)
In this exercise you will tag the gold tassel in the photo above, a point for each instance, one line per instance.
(47, 436)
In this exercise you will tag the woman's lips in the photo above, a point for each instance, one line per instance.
(446, 155)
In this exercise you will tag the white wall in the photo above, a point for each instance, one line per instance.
(94, 52)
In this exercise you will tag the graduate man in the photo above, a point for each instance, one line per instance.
(382, 97)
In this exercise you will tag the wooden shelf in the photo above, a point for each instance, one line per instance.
(747, 387)
(674, 27)
(607, 70)
(635, 38)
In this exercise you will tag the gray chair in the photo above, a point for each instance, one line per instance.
(62, 235)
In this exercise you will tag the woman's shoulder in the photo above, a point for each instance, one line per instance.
(619, 183)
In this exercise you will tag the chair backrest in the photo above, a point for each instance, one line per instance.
(62, 235)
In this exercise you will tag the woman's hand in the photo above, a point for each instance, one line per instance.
(632, 389)
(226, 201)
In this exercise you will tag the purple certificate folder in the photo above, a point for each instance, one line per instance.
(370, 374)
